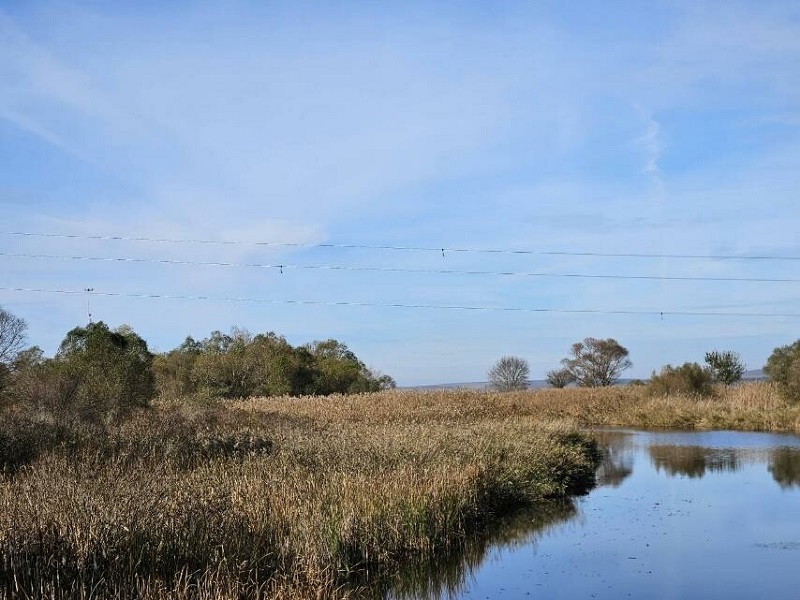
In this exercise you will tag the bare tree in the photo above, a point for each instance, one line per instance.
(509, 373)
(12, 335)
(597, 363)
(559, 378)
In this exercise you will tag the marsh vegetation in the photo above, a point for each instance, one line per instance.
(302, 497)
(289, 497)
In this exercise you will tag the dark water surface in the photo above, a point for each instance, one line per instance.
(707, 515)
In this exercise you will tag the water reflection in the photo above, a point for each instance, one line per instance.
(693, 461)
(448, 576)
(784, 464)
(654, 517)
(617, 465)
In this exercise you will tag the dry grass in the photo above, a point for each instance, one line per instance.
(270, 498)
(749, 407)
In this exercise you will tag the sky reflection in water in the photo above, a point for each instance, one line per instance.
(675, 515)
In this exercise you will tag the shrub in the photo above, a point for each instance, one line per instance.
(689, 379)
(46, 388)
(783, 367)
(559, 378)
(113, 370)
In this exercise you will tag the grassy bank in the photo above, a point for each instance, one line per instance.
(280, 498)
(747, 407)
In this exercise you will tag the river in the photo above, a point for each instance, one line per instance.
(675, 515)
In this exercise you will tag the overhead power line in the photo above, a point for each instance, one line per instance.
(442, 249)
(407, 270)
(452, 307)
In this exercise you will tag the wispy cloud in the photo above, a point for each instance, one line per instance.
(409, 125)
(652, 148)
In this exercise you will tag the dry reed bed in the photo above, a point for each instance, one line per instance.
(748, 407)
(756, 406)
(303, 497)
(272, 498)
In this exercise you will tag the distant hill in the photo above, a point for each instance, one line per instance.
(754, 375)
(470, 385)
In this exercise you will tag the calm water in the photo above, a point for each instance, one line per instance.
(712, 515)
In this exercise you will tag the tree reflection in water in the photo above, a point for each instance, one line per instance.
(617, 462)
(693, 461)
(784, 464)
(447, 576)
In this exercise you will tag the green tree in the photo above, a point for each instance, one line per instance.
(225, 368)
(274, 365)
(783, 367)
(596, 363)
(239, 364)
(509, 373)
(726, 367)
(371, 381)
(112, 370)
(305, 372)
(336, 368)
(173, 369)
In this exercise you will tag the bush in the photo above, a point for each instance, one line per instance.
(112, 370)
(45, 388)
(688, 379)
(559, 378)
(783, 367)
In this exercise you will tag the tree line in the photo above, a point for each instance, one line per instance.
(601, 362)
(104, 372)
(239, 364)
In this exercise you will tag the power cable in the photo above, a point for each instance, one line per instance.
(454, 307)
(442, 250)
(406, 270)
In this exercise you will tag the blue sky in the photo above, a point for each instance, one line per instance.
(621, 127)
